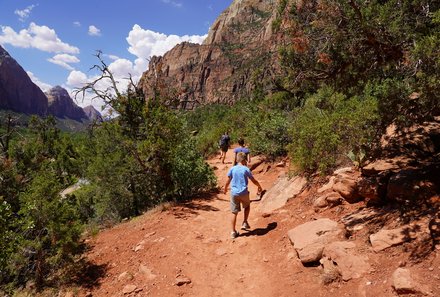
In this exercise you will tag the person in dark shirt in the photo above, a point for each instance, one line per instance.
(224, 144)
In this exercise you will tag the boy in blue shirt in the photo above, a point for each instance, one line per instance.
(238, 177)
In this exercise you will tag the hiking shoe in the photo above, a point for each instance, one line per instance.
(234, 234)
(245, 226)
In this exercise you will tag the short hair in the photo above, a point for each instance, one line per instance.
(241, 157)
(241, 141)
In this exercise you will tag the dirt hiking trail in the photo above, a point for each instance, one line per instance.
(186, 250)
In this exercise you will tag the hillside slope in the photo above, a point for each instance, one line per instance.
(154, 254)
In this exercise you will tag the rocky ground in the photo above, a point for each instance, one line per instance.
(354, 233)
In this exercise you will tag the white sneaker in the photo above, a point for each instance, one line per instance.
(245, 226)
(234, 234)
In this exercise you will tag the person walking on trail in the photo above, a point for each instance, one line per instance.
(242, 149)
(224, 144)
(238, 177)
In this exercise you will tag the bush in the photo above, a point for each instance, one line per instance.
(329, 127)
(268, 133)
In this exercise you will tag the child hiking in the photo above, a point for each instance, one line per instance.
(238, 177)
(224, 144)
(242, 149)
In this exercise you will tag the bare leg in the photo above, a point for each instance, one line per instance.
(233, 221)
(247, 210)
(224, 156)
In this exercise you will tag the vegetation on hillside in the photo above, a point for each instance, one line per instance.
(348, 69)
(125, 166)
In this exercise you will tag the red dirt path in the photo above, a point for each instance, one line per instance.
(144, 256)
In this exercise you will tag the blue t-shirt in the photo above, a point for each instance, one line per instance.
(239, 182)
(241, 150)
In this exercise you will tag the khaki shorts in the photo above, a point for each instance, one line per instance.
(237, 200)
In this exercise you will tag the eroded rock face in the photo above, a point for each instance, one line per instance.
(17, 91)
(61, 105)
(236, 57)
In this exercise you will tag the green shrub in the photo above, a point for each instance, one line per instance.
(329, 127)
(268, 133)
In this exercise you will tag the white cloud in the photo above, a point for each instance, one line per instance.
(112, 57)
(93, 31)
(39, 37)
(77, 24)
(42, 85)
(64, 60)
(146, 43)
(143, 44)
(173, 3)
(77, 80)
(24, 14)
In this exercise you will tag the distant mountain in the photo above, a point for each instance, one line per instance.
(93, 114)
(17, 91)
(236, 60)
(61, 105)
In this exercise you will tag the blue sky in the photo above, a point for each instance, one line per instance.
(55, 40)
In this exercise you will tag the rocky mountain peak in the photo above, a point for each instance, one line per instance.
(62, 105)
(92, 113)
(240, 17)
(17, 91)
(232, 63)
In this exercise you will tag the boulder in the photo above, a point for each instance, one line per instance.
(320, 202)
(328, 199)
(402, 281)
(310, 238)
(256, 161)
(347, 188)
(349, 265)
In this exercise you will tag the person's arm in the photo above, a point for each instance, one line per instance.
(249, 158)
(227, 184)
(255, 182)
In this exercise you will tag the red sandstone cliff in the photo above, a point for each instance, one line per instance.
(17, 91)
(232, 63)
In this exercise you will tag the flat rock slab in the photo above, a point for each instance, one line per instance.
(310, 238)
(349, 265)
(388, 238)
(278, 195)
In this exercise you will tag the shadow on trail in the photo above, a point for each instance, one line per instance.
(87, 274)
(192, 208)
(261, 231)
